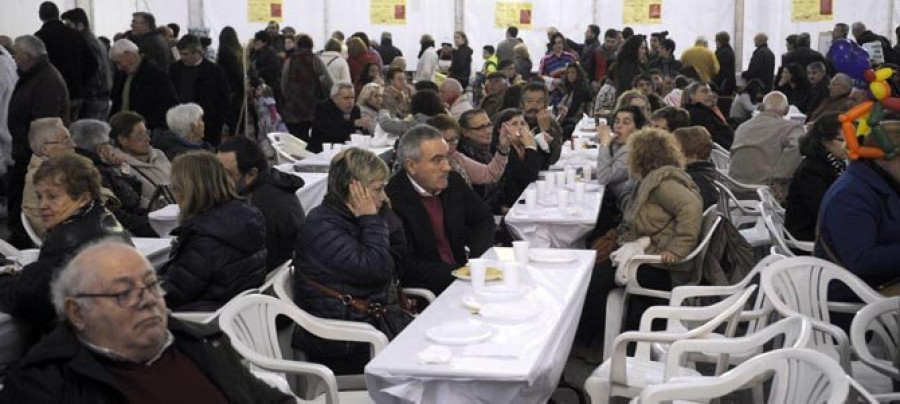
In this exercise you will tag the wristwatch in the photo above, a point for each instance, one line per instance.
(503, 152)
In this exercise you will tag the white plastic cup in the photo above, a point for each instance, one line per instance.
(570, 176)
(586, 172)
(511, 275)
(327, 146)
(563, 198)
(531, 198)
(541, 187)
(551, 180)
(579, 191)
(521, 249)
(561, 179)
(478, 273)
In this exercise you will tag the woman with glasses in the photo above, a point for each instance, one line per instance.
(472, 171)
(68, 193)
(524, 159)
(129, 130)
(350, 249)
(220, 249)
(47, 138)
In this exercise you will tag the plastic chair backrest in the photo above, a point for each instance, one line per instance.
(720, 158)
(284, 285)
(880, 320)
(775, 224)
(798, 376)
(273, 277)
(738, 212)
(28, 229)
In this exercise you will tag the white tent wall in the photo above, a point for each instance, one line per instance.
(114, 16)
(306, 16)
(570, 17)
(21, 17)
(774, 18)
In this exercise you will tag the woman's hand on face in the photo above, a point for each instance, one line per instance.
(360, 203)
(604, 137)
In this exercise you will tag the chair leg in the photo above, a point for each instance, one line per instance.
(615, 312)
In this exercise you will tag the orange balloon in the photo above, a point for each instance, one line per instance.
(857, 111)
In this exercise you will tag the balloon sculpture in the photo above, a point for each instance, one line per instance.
(853, 60)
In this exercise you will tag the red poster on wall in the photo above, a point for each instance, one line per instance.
(525, 16)
(276, 10)
(655, 11)
(400, 12)
(825, 7)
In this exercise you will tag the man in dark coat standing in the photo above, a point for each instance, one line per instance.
(725, 78)
(802, 54)
(140, 86)
(198, 80)
(68, 52)
(305, 82)
(152, 45)
(863, 36)
(271, 191)
(336, 118)
(387, 50)
(762, 63)
(440, 213)
(40, 93)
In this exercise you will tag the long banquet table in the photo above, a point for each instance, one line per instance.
(550, 226)
(543, 342)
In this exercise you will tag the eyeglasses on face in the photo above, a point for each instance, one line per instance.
(483, 127)
(129, 298)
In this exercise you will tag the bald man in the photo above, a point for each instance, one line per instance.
(766, 148)
(117, 343)
(762, 63)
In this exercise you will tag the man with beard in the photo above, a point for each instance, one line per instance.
(548, 132)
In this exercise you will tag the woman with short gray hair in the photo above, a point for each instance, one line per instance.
(185, 132)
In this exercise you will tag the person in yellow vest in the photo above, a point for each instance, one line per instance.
(701, 59)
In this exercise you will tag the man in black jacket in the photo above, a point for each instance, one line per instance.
(40, 93)
(68, 52)
(440, 213)
(387, 50)
(122, 346)
(198, 80)
(140, 86)
(725, 79)
(802, 54)
(336, 118)
(863, 36)
(762, 63)
(271, 191)
(145, 35)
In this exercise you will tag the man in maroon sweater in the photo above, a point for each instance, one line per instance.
(118, 344)
(441, 214)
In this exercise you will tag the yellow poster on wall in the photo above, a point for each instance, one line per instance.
(512, 13)
(387, 12)
(264, 10)
(643, 12)
(811, 10)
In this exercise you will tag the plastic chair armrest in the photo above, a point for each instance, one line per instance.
(420, 292)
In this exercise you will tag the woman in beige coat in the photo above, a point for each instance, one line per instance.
(663, 217)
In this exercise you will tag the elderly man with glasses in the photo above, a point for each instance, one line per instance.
(116, 343)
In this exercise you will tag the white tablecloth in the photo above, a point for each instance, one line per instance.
(315, 185)
(397, 376)
(156, 250)
(321, 161)
(549, 226)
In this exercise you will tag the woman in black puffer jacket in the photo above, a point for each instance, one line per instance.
(220, 249)
(351, 245)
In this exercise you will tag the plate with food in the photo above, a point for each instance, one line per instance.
(492, 273)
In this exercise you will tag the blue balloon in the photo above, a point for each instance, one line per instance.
(850, 58)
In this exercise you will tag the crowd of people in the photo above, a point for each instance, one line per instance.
(102, 133)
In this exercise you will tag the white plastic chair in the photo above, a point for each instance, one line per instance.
(617, 299)
(799, 376)
(773, 217)
(720, 157)
(272, 277)
(8, 250)
(799, 286)
(878, 319)
(288, 148)
(31, 234)
(624, 376)
(208, 317)
(250, 324)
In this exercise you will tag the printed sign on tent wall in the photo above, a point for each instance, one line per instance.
(387, 12)
(811, 10)
(512, 13)
(264, 10)
(643, 12)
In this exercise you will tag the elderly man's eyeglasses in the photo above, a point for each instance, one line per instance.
(131, 297)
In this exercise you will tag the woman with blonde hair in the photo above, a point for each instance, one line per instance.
(635, 98)
(371, 104)
(219, 249)
(350, 249)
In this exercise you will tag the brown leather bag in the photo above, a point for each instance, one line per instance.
(605, 245)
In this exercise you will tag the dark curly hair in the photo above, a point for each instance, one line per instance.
(426, 102)
(826, 128)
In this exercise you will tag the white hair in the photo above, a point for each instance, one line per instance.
(776, 101)
(368, 91)
(180, 118)
(452, 84)
(122, 46)
(88, 134)
(31, 45)
(701, 40)
(41, 131)
(79, 272)
(337, 87)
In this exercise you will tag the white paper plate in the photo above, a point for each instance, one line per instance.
(504, 312)
(459, 332)
(500, 293)
(552, 256)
